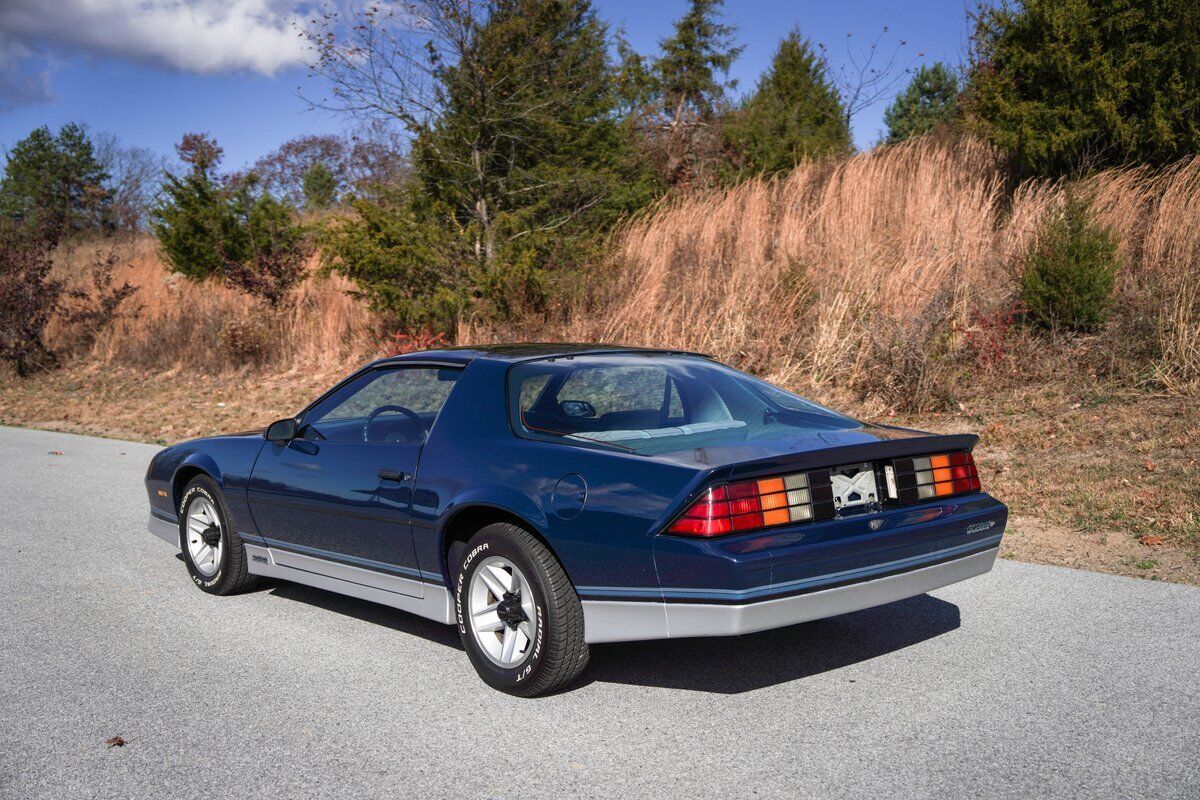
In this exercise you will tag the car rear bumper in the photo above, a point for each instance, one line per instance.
(624, 621)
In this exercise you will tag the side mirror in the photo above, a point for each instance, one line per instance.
(281, 432)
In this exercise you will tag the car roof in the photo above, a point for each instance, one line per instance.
(514, 352)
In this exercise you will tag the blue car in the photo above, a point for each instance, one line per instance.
(544, 498)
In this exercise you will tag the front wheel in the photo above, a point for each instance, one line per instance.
(212, 549)
(520, 620)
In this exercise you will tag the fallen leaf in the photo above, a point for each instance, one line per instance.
(115, 741)
(1151, 539)
(1149, 466)
(55, 453)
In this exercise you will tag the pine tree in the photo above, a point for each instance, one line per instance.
(209, 227)
(695, 61)
(690, 82)
(56, 183)
(520, 157)
(320, 186)
(794, 113)
(1087, 83)
(528, 152)
(929, 100)
(194, 222)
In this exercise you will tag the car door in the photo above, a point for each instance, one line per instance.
(340, 494)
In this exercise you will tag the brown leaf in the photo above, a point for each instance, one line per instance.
(1149, 466)
(1151, 539)
(55, 453)
(115, 741)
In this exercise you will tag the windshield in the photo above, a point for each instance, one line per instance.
(654, 403)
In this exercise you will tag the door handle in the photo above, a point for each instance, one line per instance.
(396, 475)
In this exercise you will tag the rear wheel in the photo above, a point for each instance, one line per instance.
(212, 550)
(520, 620)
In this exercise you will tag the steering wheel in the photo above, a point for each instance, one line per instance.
(366, 431)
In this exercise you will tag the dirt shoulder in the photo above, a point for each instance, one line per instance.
(1096, 480)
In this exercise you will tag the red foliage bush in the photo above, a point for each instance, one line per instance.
(411, 341)
(987, 336)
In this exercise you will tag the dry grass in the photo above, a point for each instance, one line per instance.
(867, 273)
(171, 323)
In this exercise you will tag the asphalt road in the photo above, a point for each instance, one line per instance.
(1028, 682)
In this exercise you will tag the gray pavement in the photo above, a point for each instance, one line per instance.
(1028, 682)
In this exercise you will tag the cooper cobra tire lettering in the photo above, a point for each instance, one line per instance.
(458, 589)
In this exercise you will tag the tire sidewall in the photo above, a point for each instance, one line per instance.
(198, 488)
(483, 545)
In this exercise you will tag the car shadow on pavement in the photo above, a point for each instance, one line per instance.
(366, 611)
(736, 664)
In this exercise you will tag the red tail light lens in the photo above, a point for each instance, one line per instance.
(933, 476)
(708, 516)
(761, 503)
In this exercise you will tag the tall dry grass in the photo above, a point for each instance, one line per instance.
(870, 272)
(873, 273)
(170, 322)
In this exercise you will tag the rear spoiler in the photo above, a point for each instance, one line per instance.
(907, 443)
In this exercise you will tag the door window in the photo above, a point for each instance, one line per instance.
(397, 404)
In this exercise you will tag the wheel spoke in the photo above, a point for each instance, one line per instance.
(497, 587)
(487, 620)
(526, 628)
(512, 643)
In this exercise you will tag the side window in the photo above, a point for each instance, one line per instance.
(674, 403)
(385, 405)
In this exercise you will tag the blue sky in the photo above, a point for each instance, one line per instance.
(150, 81)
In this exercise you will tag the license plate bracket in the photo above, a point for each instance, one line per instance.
(854, 486)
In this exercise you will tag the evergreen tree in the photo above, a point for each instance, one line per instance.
(695, 61)
(320, 186)
(231, 229)
(520, 157)
(1088, 83)
(528, 155)
(794, 113)
(929, 100)
(55, 182)
(194, 222)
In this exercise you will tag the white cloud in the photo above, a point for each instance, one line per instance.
(203, 36)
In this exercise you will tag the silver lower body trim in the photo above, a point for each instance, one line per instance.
(167, 531)
(606, 621)
(423, 599)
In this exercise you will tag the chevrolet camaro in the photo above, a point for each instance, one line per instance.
(543, 498)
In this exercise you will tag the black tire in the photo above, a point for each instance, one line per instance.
(232, 575)
(558, 654)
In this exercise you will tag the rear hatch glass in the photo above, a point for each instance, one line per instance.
(656, 403)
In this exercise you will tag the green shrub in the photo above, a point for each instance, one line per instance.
(1068, 280)
(408, 268)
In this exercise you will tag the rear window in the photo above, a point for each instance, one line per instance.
(652, 403)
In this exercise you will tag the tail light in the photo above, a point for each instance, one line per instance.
(938, 475)
(762, 503)
(809, 496)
